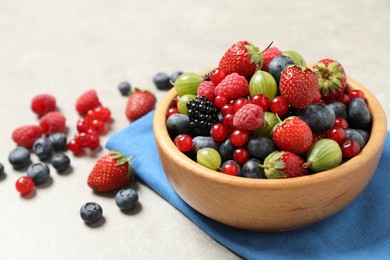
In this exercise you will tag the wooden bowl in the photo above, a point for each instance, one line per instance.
(270, 204)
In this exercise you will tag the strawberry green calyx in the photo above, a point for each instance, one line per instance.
(121, 159)
(330, 76)
(255, 53)
(273, 166)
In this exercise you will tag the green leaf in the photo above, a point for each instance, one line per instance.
(275, 174)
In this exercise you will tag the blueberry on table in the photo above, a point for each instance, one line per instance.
(60, 162)
(1, 169)
(124, 88)
(19, 157)
(91, 212)
(39, 172)
(58, 140)
(161, 81)
(175, 75)
(126, 199)
(43, 148)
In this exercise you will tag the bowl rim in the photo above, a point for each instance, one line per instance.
(374, 145)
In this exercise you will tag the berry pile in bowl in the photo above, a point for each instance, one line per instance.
(266, 142)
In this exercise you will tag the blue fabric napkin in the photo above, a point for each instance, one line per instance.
(360, 231)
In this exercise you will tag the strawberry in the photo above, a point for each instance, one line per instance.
(111, 172)
(26, 135)
(243, 58)
(293, 135)
(140, 103)
(332, 78)
(298, 85)
(283, 164)
(233, 86)
(87, 101)
(268, 55)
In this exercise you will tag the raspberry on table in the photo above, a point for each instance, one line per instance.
(26, 135)
(52, 122)
(43, 103)
(87, 101)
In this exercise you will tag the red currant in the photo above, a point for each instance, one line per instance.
(343, 98)
(219, 132)
(24, 185)
(241, 155)
(279, 105)
(239, 103)
(336, 133)
(357, 94)
(183, 142)
(172, 110)
(341, 122)
(230, 168)
(97, 126)
(102, 114)
(75, 147)
(261, 100)
(82, 139)
(227, 109)
(217, 75)
(82, 125)
(239, 137)
(228, 122)
(94, 139)
(220, 101)
(350, 148)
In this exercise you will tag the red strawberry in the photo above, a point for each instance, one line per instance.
(293, 135)
(26, 135)
(268, 55)
(87, 101)
(283, 164)
(206, 88)
(249, 117)
(233, 86)
(52, 122)
(298, 85)
(42, 104)
(332, 78)
(110, 172)
(140, 103)
(243, 58)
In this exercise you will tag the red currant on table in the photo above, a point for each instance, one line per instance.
(183, 142)
(336, 133)
(82, 125)
(75, 147)
(94, 139)
(219, 132)
(24, 185)
(217, 75)
(100, 113)
(279, 105)
(239, 137)
(350, 148)
(241, 155)
(261, 100)
(357, 94)
(97, 126)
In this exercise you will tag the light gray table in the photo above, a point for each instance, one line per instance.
(67, 47)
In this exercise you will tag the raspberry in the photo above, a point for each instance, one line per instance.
(249, 117)
(268, 55)
(233, 86)
(87, 101)
(206, 88)
(52, 122)
(26, 135)
(42, 104)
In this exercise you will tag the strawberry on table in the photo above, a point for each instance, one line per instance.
(298, 85)
(111, 172)
(139, 104)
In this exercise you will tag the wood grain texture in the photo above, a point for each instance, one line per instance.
(270, 205)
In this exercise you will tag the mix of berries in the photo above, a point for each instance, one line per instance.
(266, 114)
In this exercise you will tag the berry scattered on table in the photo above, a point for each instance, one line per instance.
(26, 135)
(60, 162)
(140, 103)
(126, 199)
(24, 185)
(19, 157)
(124, 88)
(87, 101)
(91, 212)
(1, 169)
(43, 148)
(39, 172)
(58, 140)
(162, 81)
(52, 122)
(43, 103)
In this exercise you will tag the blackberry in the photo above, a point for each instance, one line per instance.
(203, 115)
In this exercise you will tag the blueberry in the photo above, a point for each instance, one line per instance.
(43, 148)
(226, 150)
(1, 169)
(339, 108)
(359, 116)
(174, 76)
(250, 169)
(319, 117)
(178, 124)
(126, 199)
(124, 88)
(60, 162)
(260, 146)
(161, 80)
(19, 157)
(39, 172)
(277, 65)
(355, 135)
(205, 141)
(91, 212)
(58, 141)
(364, 134)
